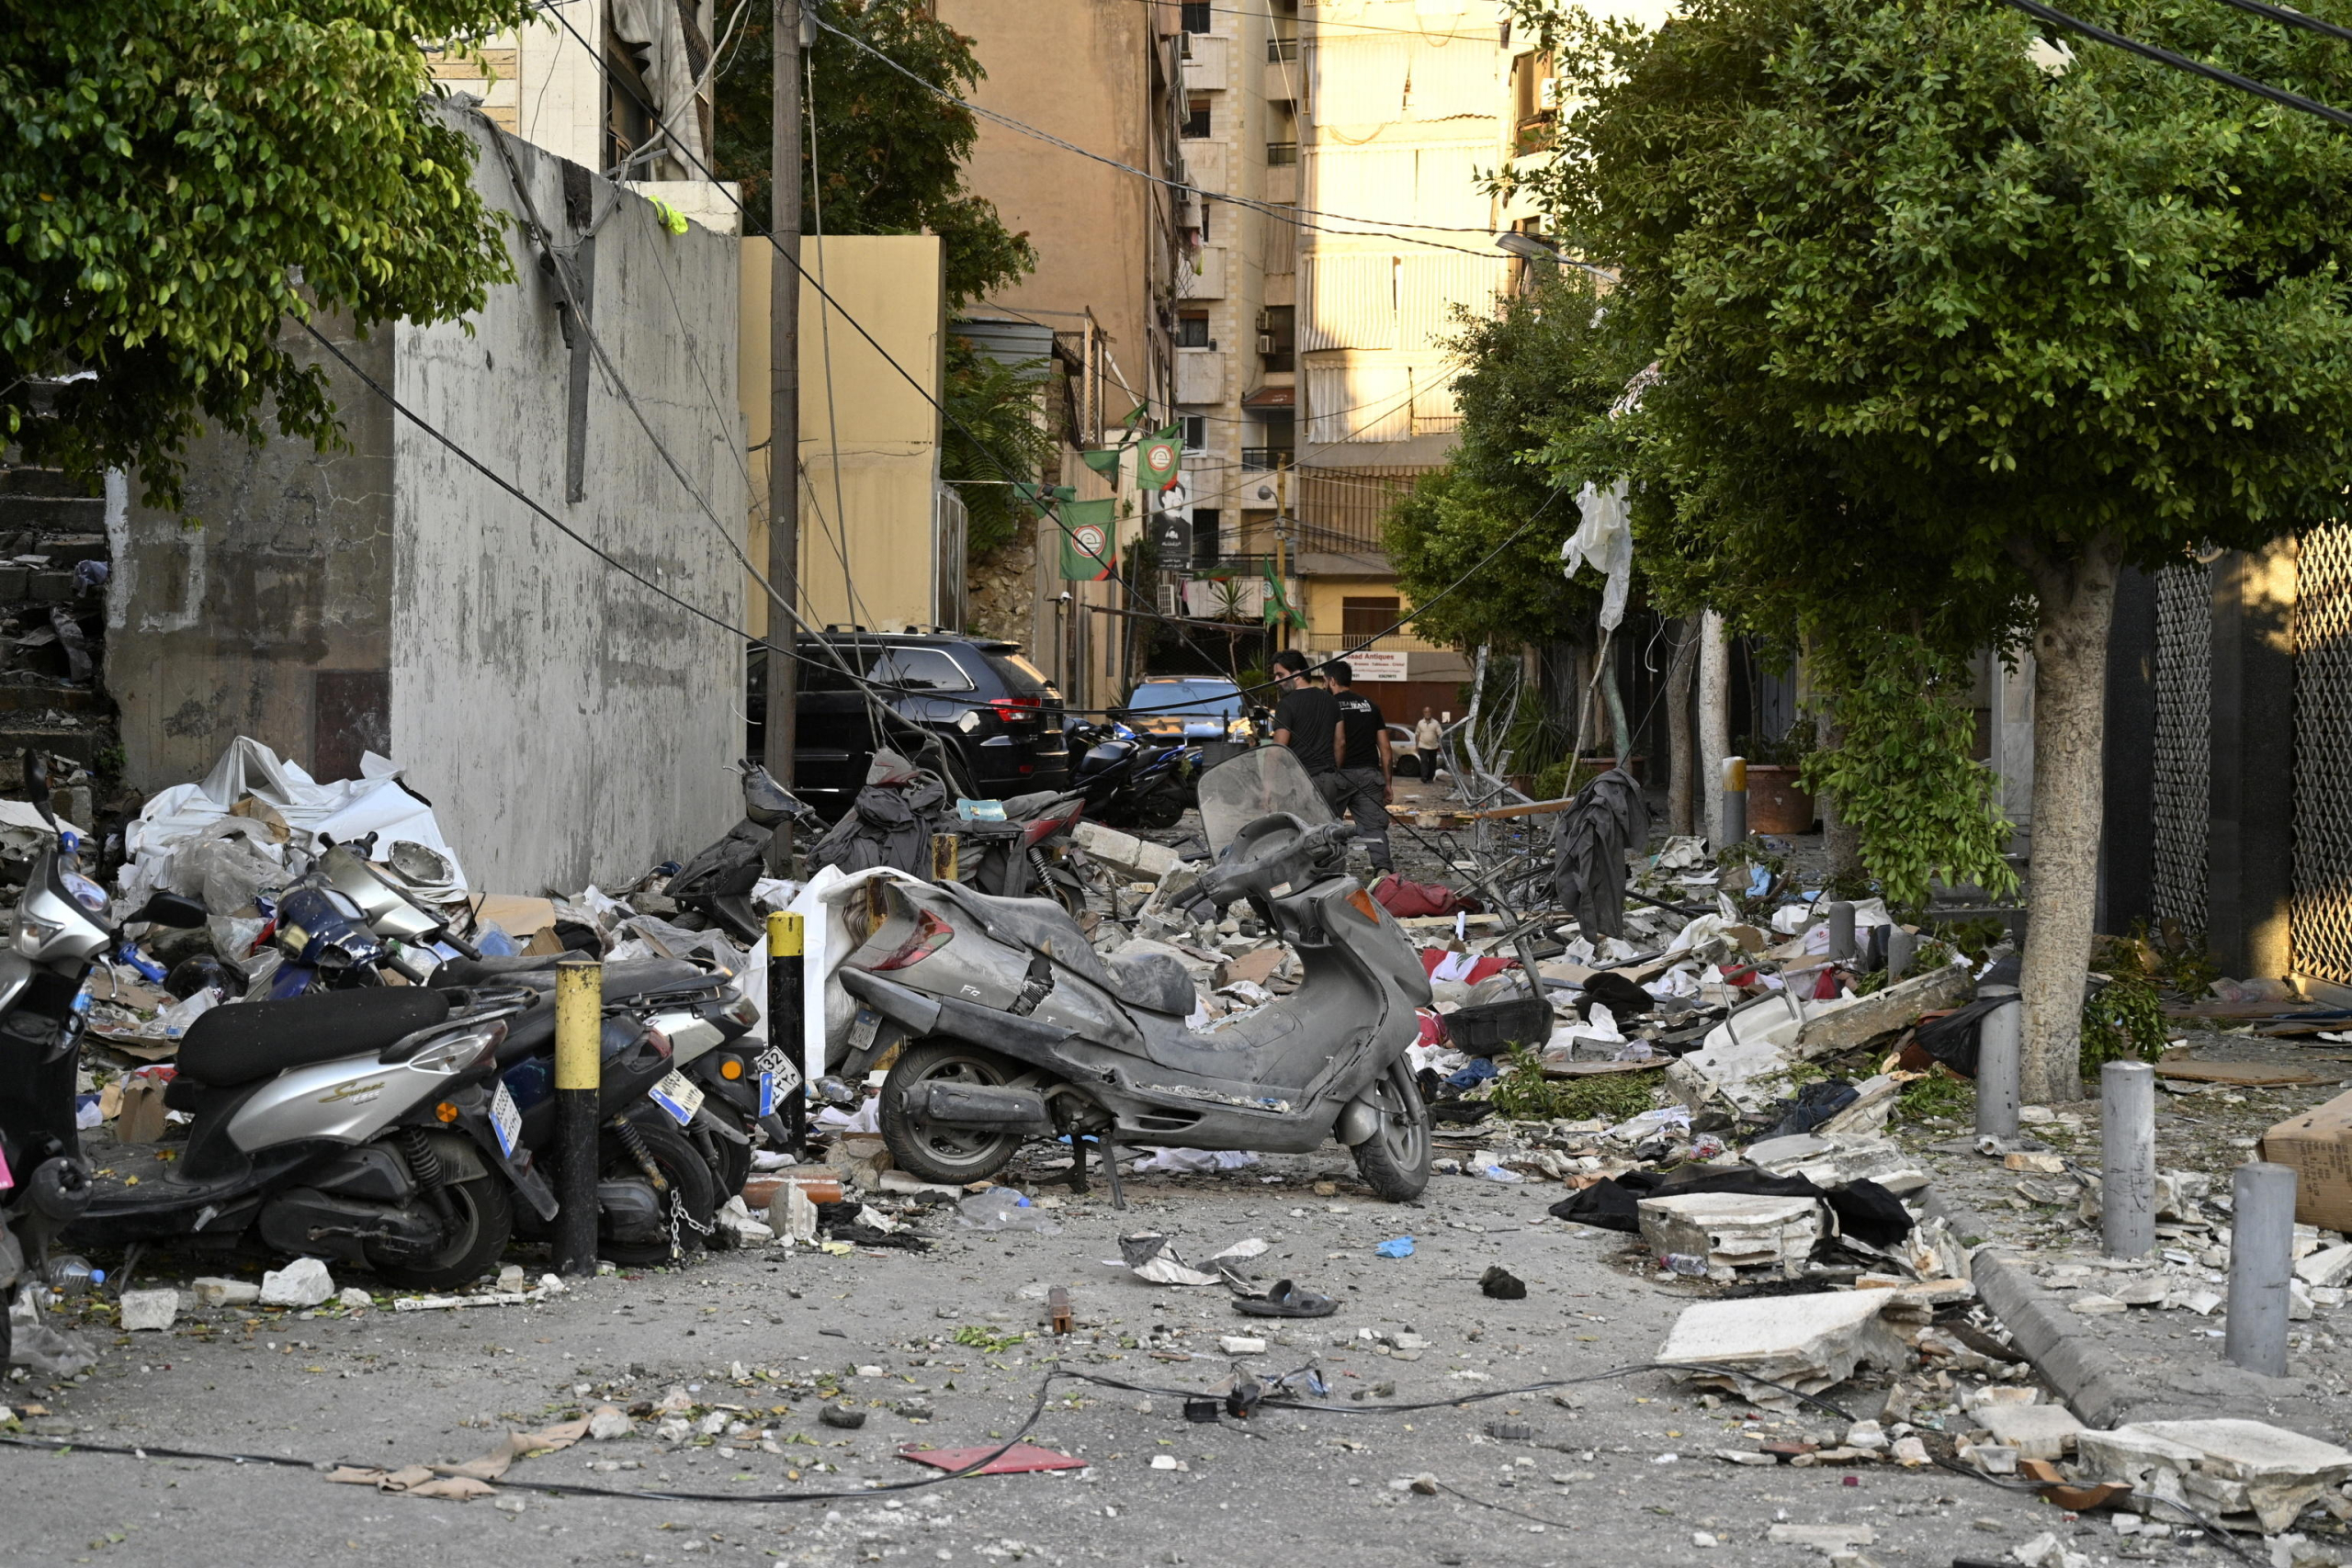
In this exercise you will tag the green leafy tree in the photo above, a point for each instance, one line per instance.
(998, 433)
(1547, 358)
(1949, 333)
(182, 176)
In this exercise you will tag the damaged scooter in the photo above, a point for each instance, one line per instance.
(1013, 1027)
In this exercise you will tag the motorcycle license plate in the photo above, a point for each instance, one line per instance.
(677, 1096)
(506, 1121)
(777, 1079)
(863, 1031)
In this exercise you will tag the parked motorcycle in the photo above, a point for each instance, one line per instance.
(1131, 780)
(717, 884)
(1019, 848)
(1013, 1027)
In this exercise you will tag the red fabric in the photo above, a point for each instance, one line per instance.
(1433, 956)
(1825, 985)
(1433, 1028)
(1400, 896)
(1019, 1459)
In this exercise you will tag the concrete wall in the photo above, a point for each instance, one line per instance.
(568, 723)
(269, 593)
(868, 554)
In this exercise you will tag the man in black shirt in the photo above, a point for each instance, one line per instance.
(1308, 716)
(1359, 786)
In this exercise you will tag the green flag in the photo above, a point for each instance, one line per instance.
(1159, 459)
(1088, 528)
(1106, 462)
(1278, 611)
(1043, 497)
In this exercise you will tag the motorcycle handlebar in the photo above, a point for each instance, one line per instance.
(1224, 886)
(465, 948)
(406, 971)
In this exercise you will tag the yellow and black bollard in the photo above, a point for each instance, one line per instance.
(578, 1086)
(787, 1087)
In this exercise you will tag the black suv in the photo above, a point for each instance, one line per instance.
(999, 717)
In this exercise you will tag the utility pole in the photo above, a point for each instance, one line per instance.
(1282, 542)
(784, 413)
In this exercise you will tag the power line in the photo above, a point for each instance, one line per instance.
(2042, 13)
(2290, 18)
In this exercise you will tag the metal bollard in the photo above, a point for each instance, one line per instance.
(1734, 800)
(2128, 1158)
(1997, 1040)
(783, 1076)
(1841, 931)
(2261, 1251)
(1902, 947)
(578, 1086)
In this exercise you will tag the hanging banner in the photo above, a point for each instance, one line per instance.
(1106, 462)
(1277, 610)
(1087, 527)
(1160, 457)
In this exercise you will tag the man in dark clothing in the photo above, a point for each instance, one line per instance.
(1307, 717)
(1359, 786)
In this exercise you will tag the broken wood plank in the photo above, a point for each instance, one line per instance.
(2173, 1064)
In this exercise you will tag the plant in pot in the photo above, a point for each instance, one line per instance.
(1777, 801)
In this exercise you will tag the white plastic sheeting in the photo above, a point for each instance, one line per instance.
(1605, 543)
(349, 808)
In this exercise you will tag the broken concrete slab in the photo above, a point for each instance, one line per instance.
(148, 1310)
(1808, 1343)
(1823, 1538)
(214, 1291)
(1897, 1006)
(2036, 1431)
(2223, 1467)
(1733, 1230)
(1138, 859)
(2327, 1268)
(1832, 1161)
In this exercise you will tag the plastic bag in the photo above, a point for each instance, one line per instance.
(46, 1351)
(1003, 1209)
(225, 867)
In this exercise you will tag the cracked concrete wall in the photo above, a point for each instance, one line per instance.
(571, 725)
(269, 593)
(568, 723)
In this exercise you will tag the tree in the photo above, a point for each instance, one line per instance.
(1950, 333)
(182, 176)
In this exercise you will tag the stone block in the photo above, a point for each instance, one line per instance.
(52, 587)
(1808, 1343)
(2036, 1431)
(2225, 1466)
(212, 1290)
(2330, 1266)
(149, 1310)
(1733, 1230)
(304, 1283)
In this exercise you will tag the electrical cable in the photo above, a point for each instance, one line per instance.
(2042, 13)
(2290, 18)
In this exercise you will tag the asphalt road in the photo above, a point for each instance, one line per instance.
(1621, 1472)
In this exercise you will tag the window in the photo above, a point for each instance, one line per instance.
(1205, 205)
(1278, 337)
(1196, 117)
(1196, 16)
(1367, 617)
(1196, 432)
(1205, 520)
(1192, 330)
(920, 669)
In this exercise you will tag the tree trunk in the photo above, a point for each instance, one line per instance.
(1840, 840)
(2076, 602)
(1714, 721)
(1681, 796)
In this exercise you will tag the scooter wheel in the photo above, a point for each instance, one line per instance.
(732, 1165)
(682, 1167)
(485, 1222)
(1162, 808)
(1395, 1161)
(931, 1153)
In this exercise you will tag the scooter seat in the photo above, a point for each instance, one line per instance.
(258, 1040)
(1153, 981)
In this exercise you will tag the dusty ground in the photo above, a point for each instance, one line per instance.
(1619, 1472)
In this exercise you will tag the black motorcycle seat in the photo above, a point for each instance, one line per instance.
(1153, 981)
(455, 972)
(1018, 808)
(257, 1039)
(630, 979)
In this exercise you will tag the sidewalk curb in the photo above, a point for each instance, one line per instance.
(2092, 1378)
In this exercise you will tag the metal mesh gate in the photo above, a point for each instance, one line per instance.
(2184, 756)
(2321, 918)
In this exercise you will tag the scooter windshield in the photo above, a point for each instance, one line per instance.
(1254, 784)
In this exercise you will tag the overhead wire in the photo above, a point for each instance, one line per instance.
(2281, 95)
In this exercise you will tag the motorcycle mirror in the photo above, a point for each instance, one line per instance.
(171, 909)
(36, 785)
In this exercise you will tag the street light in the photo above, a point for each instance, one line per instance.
(1528, 247)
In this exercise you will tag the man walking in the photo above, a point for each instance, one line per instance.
(1428, 736)
(1359, 786)
(1307, 718)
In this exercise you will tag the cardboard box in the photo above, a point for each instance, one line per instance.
(2318, 1144)
(141, 1121)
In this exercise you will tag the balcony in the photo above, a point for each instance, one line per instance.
(1282, 154)
(1280, 49)
(1536, 133)
(1263, 459)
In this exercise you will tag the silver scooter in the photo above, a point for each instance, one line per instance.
(1012, 1027)
(363, 1124)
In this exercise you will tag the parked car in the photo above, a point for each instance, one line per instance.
(1208, 711)
(998, 717)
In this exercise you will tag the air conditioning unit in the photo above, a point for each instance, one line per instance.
(1167, 601)
(1265, 342)
(1265, 321)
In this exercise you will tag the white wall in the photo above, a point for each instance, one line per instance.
(568, 723)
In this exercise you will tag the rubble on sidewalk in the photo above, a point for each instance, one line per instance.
(2244, 1473)
(1768, 1350)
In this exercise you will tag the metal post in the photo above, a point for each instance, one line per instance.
(579, 1080)
(784, 413)
(2128, 1158)
(1997, 1066)
(1902, 947)
(1735, 801)
(1842, 931)
(2262, 1250)
(787, 1088)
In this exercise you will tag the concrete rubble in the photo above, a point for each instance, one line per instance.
(2244, 1473)
(1730, 1232)
(1804, 1344)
